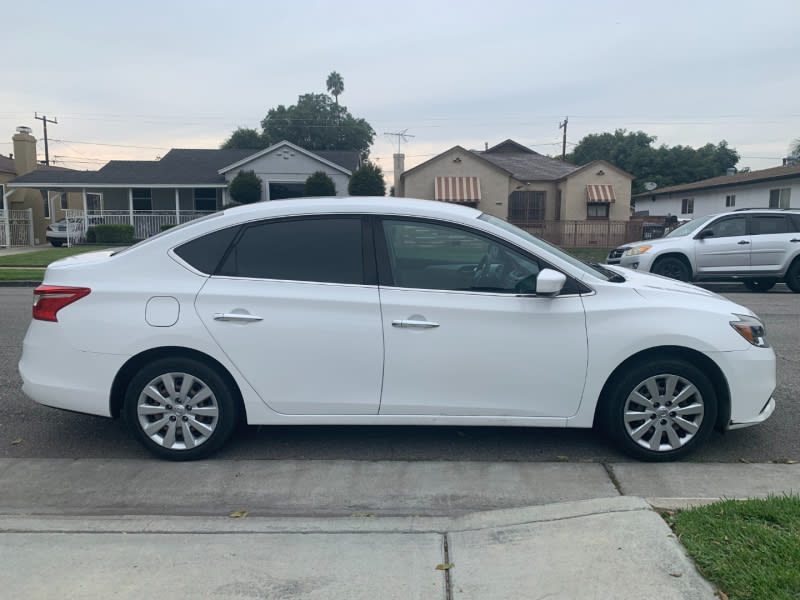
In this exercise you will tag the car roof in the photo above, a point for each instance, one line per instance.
(354, 204)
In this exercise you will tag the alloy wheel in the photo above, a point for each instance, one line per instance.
(177, 411)
(663, 413)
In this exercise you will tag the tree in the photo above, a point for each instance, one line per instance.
(317, 123)
(335, 85)
(367, 180)
(244, 138)
(794, 149)
(319, 184)
(634, 152)
(246, 187)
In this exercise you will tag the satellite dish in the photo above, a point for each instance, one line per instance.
(650, 186)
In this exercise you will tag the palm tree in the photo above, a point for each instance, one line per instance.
(335, 85)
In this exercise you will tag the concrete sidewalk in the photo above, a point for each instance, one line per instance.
(612, 548)
(92, 528)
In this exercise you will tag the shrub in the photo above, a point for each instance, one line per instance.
(367, 181)
(246, 187)
(113, 234)
(319, 184)
(91, 236)
(167, 226)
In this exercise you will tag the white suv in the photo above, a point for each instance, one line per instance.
(760, 247)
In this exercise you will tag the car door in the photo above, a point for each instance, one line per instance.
(774, 238)
(463, 335)
(295, 307)
(727, 250)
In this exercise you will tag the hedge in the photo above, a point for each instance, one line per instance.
(110, 234)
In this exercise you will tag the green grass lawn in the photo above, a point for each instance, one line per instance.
(42, 258)
(597, 255)
(750, 549)
(21, 274)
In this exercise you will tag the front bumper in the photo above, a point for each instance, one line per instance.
(765, 414)
(640, 262)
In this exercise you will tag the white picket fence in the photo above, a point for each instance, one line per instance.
(145, 223)
(16, 227)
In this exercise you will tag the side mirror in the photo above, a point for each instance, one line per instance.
(550, 282)
(706, 233)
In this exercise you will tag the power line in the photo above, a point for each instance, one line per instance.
(113, 145)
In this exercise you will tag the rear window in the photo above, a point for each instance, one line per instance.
(206, 252)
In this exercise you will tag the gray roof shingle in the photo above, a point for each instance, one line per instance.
(177, 167)
(528, 165)
(774, 173)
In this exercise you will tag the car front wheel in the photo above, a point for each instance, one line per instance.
(56, 243)
(672, 267)
(661, 410)
(180, 409)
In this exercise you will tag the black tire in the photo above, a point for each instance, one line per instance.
(638, 437)
(195, 422)
(672, 267)
(793, 276)
(56, 243)
(763, 284)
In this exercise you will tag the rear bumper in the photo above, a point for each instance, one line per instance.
(56, 374)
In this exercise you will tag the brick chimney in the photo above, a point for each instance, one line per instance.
(24, 151)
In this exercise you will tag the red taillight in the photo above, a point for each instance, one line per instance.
(49, 299)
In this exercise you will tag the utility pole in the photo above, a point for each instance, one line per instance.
(45, 121)
(564, 142)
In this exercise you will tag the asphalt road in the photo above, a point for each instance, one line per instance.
(28, 430)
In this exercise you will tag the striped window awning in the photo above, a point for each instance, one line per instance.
(600, 193)
(461, 190)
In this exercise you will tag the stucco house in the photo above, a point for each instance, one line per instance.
(185, 183)
(519, 185)
(778, 187)
(25, 213)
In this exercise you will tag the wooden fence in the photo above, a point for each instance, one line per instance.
(593, 234)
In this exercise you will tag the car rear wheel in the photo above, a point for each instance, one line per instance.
(760, 285)
(180, 409)
(672, 267)
(793, 276)
(661, 410)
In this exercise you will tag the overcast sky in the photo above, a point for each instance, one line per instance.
(142, 77)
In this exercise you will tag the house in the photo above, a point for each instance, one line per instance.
(778, 187)
(26, 212)
(519, 185)
(185, 184)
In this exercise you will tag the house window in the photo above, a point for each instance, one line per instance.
(205, 199)
(730, 200)
(687, 206)
(779, 198)
(142, 199)
(597, 210)
(526, 206)
(93, 203)
(64, 201)
(46, 203)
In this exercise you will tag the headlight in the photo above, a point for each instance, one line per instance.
(637, 250)
(751, 329)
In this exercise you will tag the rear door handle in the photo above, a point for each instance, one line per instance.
(236, 317)
(414, 323)
(795, 240)
(743, 242)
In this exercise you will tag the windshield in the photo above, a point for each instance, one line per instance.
(689, 227)
(597, 271)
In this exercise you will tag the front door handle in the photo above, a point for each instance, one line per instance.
(743, 242)
(414, 323)
(236, 317)
(795, 240)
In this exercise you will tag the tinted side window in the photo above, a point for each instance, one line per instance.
(770, 224)
(437, 257)
(730, 227)
(325, 250)
(205, 253)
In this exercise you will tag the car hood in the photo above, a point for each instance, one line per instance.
(655, 287)
(655, 243)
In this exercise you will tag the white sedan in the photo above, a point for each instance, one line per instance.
(386, 311)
